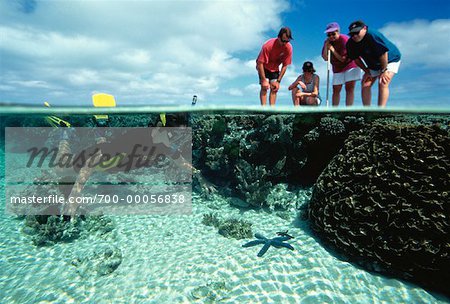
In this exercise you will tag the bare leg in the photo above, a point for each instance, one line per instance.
(272, 97)
(311, 101)
(83, 176)
(263, 96)
(383, 91)
(336, 94)
(349, 93)
(295, 98)
(366, 90)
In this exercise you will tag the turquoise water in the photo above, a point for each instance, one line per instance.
(183, 258)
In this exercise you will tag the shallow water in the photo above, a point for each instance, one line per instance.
(178, 259)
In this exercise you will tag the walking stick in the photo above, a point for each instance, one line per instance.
(328, 76)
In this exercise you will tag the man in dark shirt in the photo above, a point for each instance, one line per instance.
(381, 60)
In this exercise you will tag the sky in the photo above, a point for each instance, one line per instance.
(147, 52)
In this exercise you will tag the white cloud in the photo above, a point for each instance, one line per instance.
(134, 57)
(141, 50)
(235, 92)
(422, 43)
(30, 84)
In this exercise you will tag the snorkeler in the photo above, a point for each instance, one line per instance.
(124, 149)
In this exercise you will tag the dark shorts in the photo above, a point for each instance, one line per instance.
(271, 75)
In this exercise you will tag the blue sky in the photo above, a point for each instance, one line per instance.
(164, 52)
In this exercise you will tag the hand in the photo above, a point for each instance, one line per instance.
(331, 48)
(274, 86)
(385, 77)
(265, 84)
(367, 77)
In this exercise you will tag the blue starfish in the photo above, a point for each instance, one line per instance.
(277, 242)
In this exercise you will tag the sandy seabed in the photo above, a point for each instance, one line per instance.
(177, 259)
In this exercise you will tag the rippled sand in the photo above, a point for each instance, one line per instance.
(177, 259)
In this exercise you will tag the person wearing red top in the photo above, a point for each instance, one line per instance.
(345, 71)
(274, 52)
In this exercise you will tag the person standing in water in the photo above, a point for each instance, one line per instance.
(345, 72)
(381, 58)
(274, 52)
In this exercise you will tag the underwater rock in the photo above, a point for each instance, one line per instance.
(383, 201)
(103, 261)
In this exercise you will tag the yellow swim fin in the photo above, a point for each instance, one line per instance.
(162, 116)
(102, 100)
(55, 121)
(111, 163)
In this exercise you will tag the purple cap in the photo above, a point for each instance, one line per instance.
(332, 27)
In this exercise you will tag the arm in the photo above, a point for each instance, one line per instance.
(325, 47)
(262, 76)
(385, 75)
(294, 84)
(366, 76)
(275, 85)
(315, 92)
(282, 72)
(337, 55)
(384, 61)
(361, 64)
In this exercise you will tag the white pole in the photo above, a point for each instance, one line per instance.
(328, 76)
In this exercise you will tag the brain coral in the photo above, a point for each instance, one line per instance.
(383, 202)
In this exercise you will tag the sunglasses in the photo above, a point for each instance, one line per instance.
(355, 33)
(331, 34)
(285, 41)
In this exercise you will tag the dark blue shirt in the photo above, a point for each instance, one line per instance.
(371, 47)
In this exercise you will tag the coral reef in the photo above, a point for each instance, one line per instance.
(383, 201)
(234, 228)
(253, 183)
(320, 144)
(211, 292)
(280, 198)
(230, 227)
(211, 219)
(246, 155)
(102, 261)
(48, 230)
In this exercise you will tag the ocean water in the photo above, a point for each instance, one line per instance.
(179, 258)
